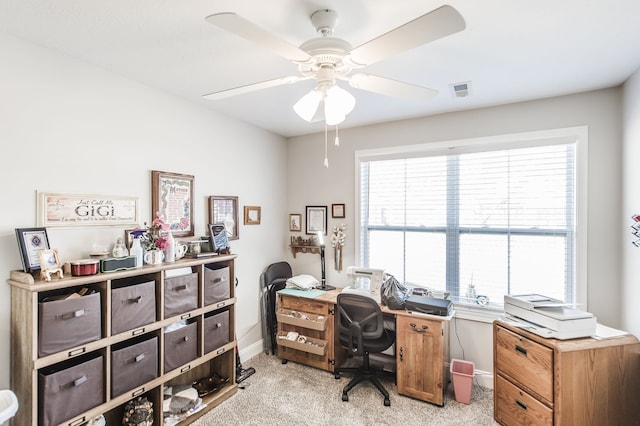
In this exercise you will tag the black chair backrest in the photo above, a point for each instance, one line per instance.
(279, 270)
(359, 319)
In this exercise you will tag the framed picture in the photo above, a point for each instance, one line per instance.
(30, 242)
(337, 210)
(251, 215)
(225, 210)
(172, 197)
(49, 264)
(49, 259)
(69, 210)
(316, 220)
(218, 237)
(295, 221)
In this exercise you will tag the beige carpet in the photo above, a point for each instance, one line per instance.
(294, 394)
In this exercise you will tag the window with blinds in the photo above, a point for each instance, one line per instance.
(485, 223)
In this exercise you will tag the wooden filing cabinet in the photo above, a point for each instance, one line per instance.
(585, 381)
(422, 347)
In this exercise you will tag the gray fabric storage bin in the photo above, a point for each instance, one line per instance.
(216, 331)
(63, 324)
(133, 306)
(69, 389)
(180, 346)
(133, 365)
(216, 284)
(180, 294)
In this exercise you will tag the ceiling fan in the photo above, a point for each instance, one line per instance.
(327, 59)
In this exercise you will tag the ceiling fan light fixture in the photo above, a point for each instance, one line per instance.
(308, 105)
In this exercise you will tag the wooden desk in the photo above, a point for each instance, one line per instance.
(422, 342)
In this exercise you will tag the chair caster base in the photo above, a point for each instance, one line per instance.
(387, 402)
(284, 361)
(345, 397)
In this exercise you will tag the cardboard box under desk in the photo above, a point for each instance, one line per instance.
(310, 321)
(314, 346)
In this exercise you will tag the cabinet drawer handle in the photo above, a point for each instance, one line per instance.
(132, 300)
(180, 288)
(522, 350)
(419, 330)
(521, 404)
(70, 315)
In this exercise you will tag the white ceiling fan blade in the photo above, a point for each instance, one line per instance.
(253, 87)
(239, 26)
(392, 88)
(434, 25)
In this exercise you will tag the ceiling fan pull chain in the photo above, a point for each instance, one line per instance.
(326, 160)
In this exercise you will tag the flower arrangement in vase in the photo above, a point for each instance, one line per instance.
(152, 240)
(337, 242)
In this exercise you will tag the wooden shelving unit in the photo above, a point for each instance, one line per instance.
(28, 296)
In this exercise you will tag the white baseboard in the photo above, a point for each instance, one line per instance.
(251, 351)
(481, 377)
(484, 379)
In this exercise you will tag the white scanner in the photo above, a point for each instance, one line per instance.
(365, 281)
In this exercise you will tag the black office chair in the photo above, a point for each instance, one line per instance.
(361, 330)
(273, 279)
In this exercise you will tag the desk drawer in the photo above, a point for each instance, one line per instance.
(302, 319)
(303, 304)
(526, 362)
(516, 407)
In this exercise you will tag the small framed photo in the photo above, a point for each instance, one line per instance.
(295, 222)
(252, 215)
(218, 237)
(31, 241)
(337, 210)
(316, 220)
(49, 259)
(225, 210)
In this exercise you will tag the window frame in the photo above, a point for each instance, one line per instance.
(577, 135)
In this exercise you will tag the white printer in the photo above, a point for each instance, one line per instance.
(549, 317)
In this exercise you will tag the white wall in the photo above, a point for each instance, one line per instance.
(599, 110)
(631, 203)
(69, 127)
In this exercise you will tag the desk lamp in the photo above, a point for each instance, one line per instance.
(324, 285)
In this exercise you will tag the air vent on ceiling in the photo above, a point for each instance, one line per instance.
(461, 90)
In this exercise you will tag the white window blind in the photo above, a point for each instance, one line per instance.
(487, 223)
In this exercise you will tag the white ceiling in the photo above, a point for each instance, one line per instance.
(511, 50)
